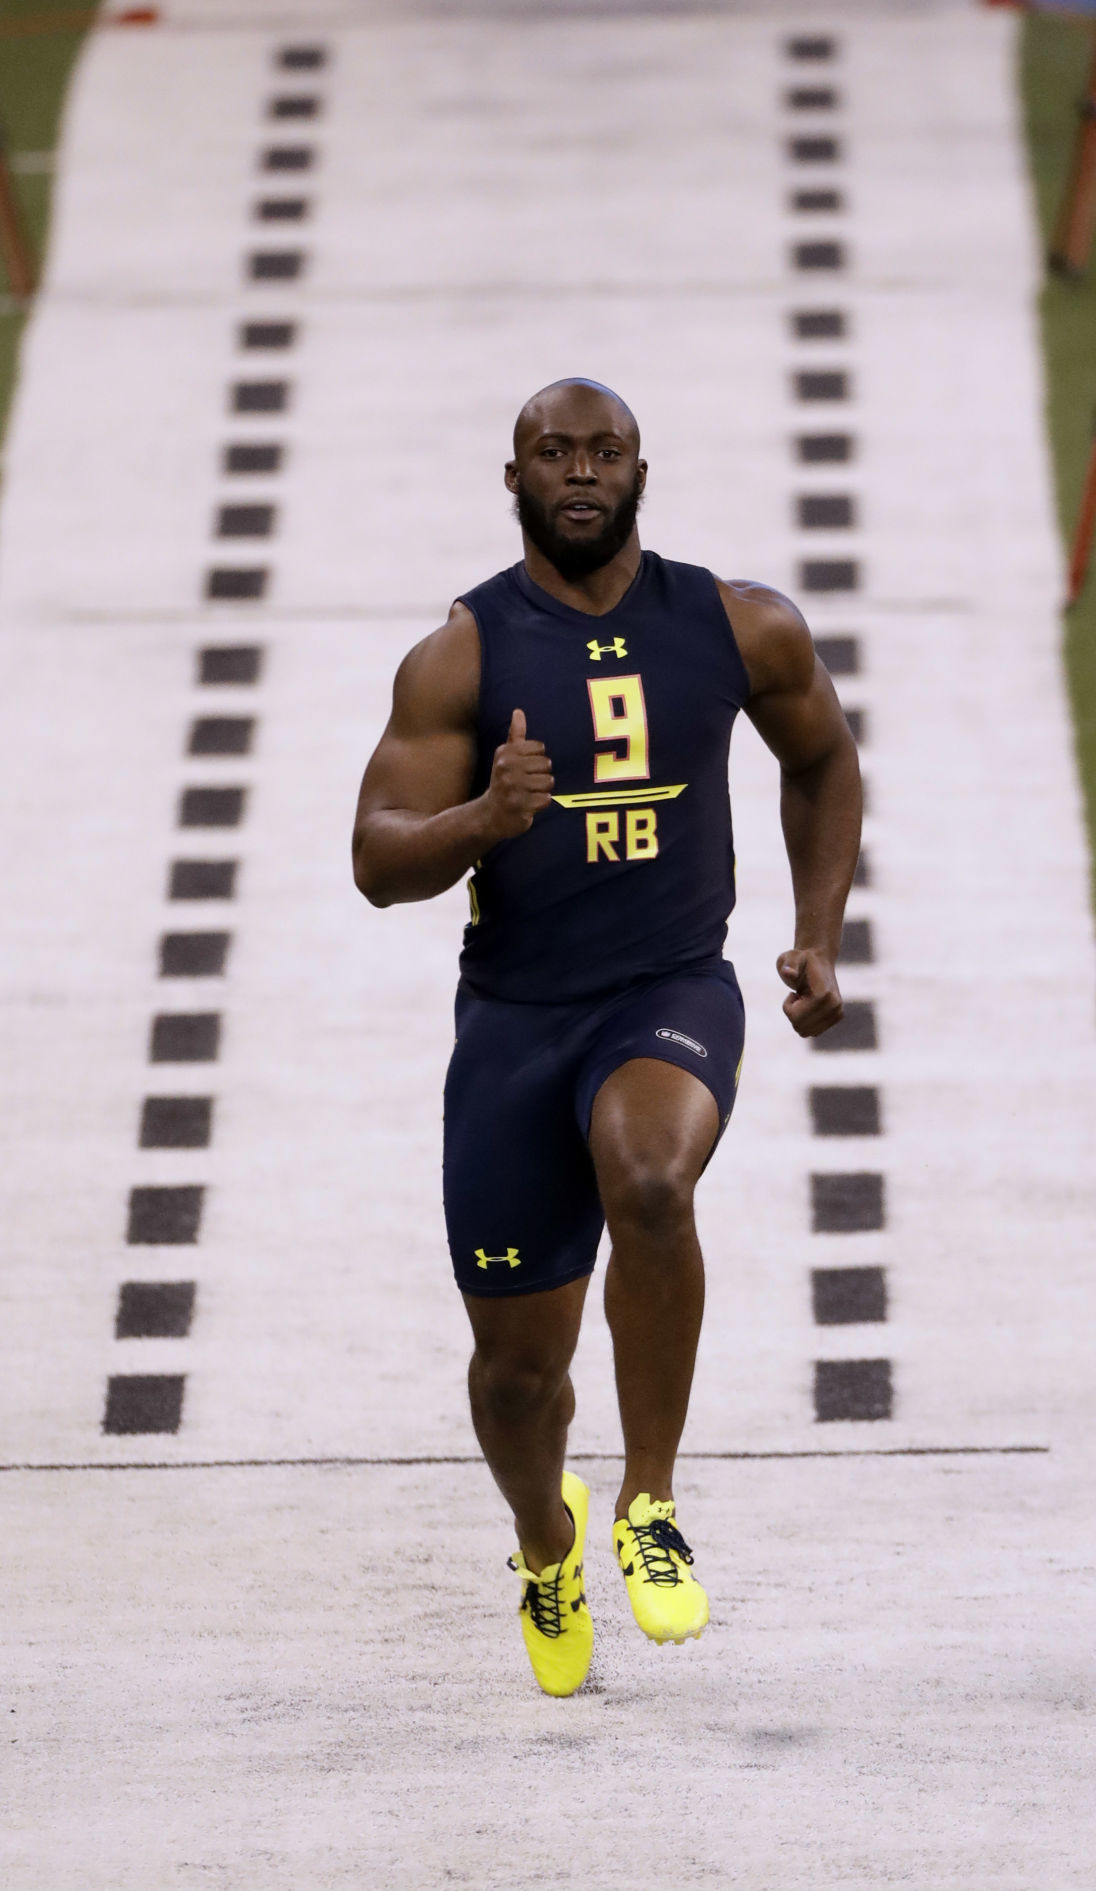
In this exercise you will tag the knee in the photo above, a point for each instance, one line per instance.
(650, 1196)
(513, 1389)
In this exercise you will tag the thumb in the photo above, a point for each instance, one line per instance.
(790, 967)
(516, 732)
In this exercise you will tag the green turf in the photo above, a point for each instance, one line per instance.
(34, 76)
(1054, 60)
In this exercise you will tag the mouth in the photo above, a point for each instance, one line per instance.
(579, 510)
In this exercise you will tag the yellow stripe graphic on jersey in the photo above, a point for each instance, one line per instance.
(619, 797)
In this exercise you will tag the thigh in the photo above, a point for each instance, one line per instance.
(690, 1026)
(521, 1202)
(652, 1131)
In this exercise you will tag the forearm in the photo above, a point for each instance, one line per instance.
(400, 855)
(820, 810)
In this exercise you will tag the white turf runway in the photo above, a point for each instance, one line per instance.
(307, 262)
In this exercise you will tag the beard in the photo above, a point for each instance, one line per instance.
(578, 558)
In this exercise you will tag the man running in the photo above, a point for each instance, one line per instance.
(565, 734)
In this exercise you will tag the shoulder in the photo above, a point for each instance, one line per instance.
(772, 635)
(438, 680)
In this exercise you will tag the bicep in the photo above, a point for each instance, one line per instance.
(801, 723)
(793, 704)
(425, 760)
(421, 773)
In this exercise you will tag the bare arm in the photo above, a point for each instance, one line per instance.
(416, 831)
(795, 710)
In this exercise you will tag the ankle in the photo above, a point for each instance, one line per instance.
(659, 1489)
(542, 1548)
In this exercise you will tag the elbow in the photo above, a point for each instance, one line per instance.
(365, 878)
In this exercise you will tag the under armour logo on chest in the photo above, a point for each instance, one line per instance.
(618, 648)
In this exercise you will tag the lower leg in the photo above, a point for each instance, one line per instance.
(652, 1130)
(524, 1445)
(654, 1302)
(522, 1404)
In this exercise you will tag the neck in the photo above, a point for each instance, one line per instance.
(595, 594)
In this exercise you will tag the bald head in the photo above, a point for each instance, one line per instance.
(559, 404)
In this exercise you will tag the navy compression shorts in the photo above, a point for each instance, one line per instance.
(521, 1202)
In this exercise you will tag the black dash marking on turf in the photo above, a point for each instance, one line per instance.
(852, 1389)
(814, 200)
(288, 157)
(294, 105)
(856, 1031)
(265, 458)
(220, 735)
(848, 1296)
(818, 324)
(829, 574)
(202, 880)
(245, 521)
(811, 98)
(857, 720)
(847, 1204)
(230, 663)
(815, 449)
(211, 807)
(862, 873)
(840, 654)
(176, 1123)
(164, 1217)
(818, 256)
(811, 46)
(845, 1109)
(301, 58)
(282, 209)
(857, 943)
(268, 334)
(185, 1037)
(259, 397)
(816, 385)
(825, 511)
(814, 150)
(143, 1402)
(275, 265)
(154, 1309)
(201, 955)
(237, 582)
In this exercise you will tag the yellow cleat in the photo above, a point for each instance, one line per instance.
(557, 1625)
(667, 1602)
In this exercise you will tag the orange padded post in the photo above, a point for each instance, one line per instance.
(15, 251)
(1086, 524)
(1071, 245)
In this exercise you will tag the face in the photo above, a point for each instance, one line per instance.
(577, 479)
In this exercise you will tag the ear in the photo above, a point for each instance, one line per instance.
(641, 469)
(511, 476)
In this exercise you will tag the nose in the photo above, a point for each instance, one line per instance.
(581, 471)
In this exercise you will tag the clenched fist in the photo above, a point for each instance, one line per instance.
(521, 782)
(815, 1002)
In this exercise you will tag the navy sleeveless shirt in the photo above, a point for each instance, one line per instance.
(630, 872)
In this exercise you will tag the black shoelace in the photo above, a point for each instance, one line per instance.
(654, 1542)
(545, 1604)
